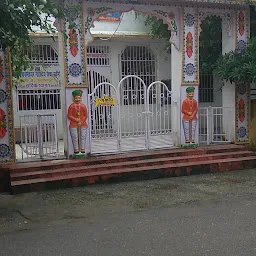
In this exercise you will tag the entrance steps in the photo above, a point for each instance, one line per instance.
(36, 176)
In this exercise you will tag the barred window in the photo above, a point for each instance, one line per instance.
(206, 88)
(44, 53)
(38, 99)
(139, 61)
(98, 56)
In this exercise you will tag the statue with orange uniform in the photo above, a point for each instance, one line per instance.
(189, 120)
(77, 114)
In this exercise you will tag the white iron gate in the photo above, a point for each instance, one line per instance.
(132, 113)
(134, 117)
(103, 118)
(39, 137)
(159, 99)
(213, 125)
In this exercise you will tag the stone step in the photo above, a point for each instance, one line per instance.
(135, 156)
(15, 176)
(72, 179)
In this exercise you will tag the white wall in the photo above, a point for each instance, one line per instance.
(228, 90)
(117, 45)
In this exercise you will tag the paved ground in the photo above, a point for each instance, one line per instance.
(197, 215)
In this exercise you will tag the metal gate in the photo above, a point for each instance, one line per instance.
(133, 113)
(159, 101)
(213, 126)
(135, 117)
(39, 137)
(103, 118)
(99, 71)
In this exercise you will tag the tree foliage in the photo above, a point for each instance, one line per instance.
(210, 43)
(237, 66)
(158, 29)
(210, 39)
(18, 18)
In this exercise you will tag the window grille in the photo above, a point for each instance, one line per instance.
(44, 53)
(98, 56)
(38, 99)
(139, 61)
(206, 88)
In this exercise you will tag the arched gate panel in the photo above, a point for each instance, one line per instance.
(103, 119)
(159, 103)
(132, 113)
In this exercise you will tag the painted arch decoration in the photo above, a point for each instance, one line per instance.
(78, 19)
(7, 147)
(242, 100)
(170, 16)
(225, 15)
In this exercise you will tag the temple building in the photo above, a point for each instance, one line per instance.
(104, 85)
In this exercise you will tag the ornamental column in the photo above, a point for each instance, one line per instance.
(7, 143)
(242, 91)
(73, 66)
(190, 79)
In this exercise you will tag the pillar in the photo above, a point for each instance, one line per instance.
(73, 66)
(242, 90)
(7, 143)
(228, 90)
(189, 78)
(176, 63)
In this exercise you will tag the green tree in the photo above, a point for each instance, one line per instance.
(18, 18)
(239, 66)
(210, 39)
(210, 43)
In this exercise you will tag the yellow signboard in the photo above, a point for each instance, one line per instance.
(105, 101)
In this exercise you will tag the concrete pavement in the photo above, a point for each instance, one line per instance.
(197, 215)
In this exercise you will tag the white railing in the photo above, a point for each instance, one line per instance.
(213, 125)
(38, 136)
(203, 120)
(38, 99)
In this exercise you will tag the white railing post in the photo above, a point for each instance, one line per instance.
(56, 134)
(40, 135)
(209, 125)
(21, 138)
(89, 122)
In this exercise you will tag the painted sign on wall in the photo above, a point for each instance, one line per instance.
(114, 17)
(40, 77)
